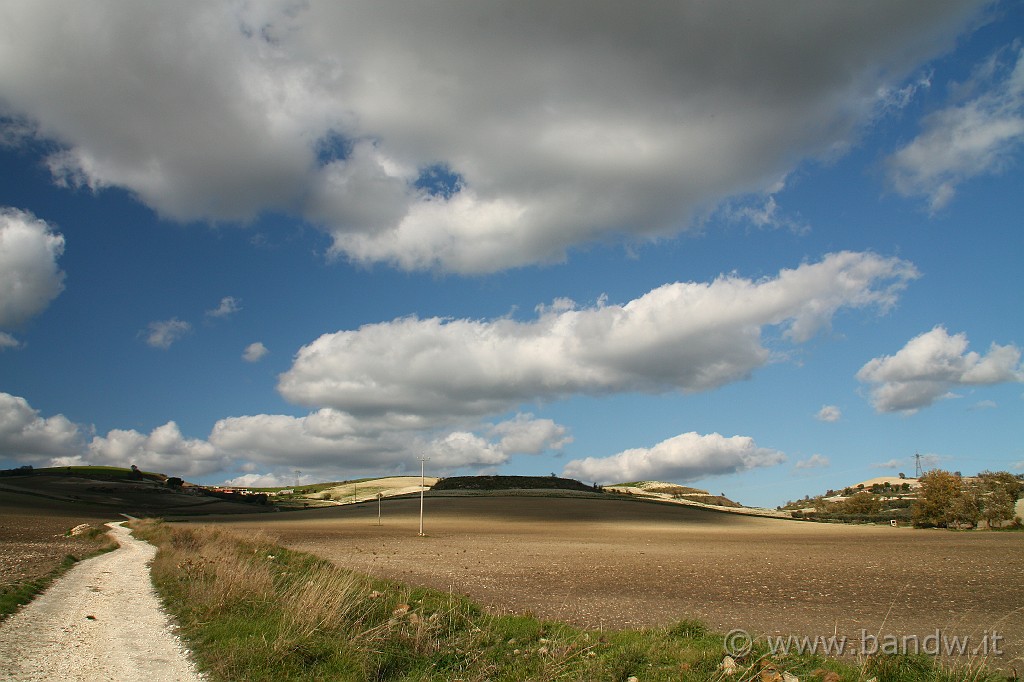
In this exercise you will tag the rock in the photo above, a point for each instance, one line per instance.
(401, 610)
(787, 677)
(769, 673)
(728, 665)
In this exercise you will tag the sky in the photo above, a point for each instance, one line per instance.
(763, 249)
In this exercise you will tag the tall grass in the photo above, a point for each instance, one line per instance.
(252, 610)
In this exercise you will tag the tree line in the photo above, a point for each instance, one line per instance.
(948, 500)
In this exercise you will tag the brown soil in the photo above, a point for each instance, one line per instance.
(620, 563)
(32, 534)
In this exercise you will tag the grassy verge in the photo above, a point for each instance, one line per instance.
(17, 594)
(253, 610)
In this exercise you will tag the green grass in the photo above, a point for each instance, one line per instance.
(104, 473)
(253, 610)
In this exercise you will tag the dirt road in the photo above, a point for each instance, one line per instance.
(100, 621)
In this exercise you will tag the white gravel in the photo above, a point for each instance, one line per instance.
(100, 621)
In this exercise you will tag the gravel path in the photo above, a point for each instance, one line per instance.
(100, 621)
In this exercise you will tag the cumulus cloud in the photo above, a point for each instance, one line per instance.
(29, 275)
(255, 352)
(456, 136)
(333, 440)
(829, 413)
(682, 336)
(686, 457)
(164, 449)
(971, 138)
(528, 435)
(229, 305)
(254, 480)
(163, 333)
(815, 461)
(29, 438)
(932, 364)
(320, 438)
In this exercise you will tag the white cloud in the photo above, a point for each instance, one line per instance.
(763, 212)
(255, 352)
(330, 440)
(976, 137)
(528, 435)
(460, 448)
(165, 332)
(164, 450)
(29, 276)
(318, 439)
(829, 413)
(261, 480)
(815, 461)
(229, 305)
(892, 464)
(930, 365)
(29, 438)
(682, 336)
(686, 457)
(558, 126)
(8, 341)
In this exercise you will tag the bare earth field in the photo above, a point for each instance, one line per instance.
(626, 564)
(32, 540)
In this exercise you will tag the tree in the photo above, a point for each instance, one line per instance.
(997, 507)
(965, 512)
(995, 480)
(861, 503)
(942, 501)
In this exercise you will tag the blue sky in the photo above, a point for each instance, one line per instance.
(759, 248)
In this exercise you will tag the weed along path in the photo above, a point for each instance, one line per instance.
(100, 621)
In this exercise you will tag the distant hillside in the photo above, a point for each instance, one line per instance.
(674, 492)
(119, 490)
(510, 483)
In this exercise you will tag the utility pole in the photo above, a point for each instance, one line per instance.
(379, 496)
(297, 474)
(423, 459)
(917, 462)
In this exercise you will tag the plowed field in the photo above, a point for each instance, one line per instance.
(621, 563)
